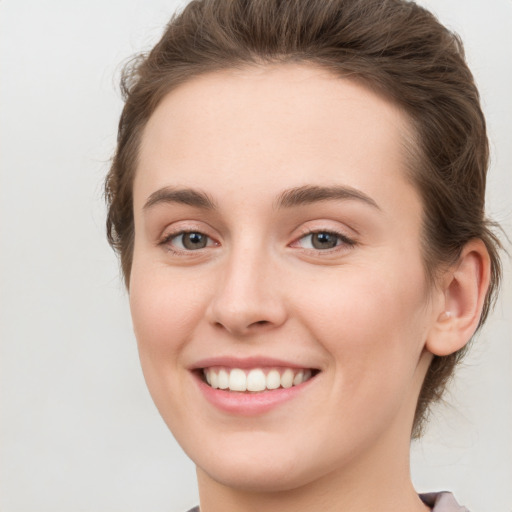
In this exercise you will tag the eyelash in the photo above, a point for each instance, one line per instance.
(166, 241)
(342, 241)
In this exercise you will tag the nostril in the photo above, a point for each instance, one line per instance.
(251, 328)
(261, 322)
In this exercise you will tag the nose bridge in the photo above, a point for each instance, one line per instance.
(246, 298)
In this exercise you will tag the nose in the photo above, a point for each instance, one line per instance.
(247, 298)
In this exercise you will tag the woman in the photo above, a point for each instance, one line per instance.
(297, 198)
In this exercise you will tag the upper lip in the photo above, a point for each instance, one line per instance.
(246, 362)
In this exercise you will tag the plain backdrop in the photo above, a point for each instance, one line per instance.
(78, 429)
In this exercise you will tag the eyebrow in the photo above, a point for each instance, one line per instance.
(188, 196)
(308, 194)
(298, 196)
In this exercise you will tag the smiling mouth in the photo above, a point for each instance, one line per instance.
(255, 380)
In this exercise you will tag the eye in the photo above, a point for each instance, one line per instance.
(323, 240)
(188, 241)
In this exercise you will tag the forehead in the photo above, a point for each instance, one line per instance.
(272, 126)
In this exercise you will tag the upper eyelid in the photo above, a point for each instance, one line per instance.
(306, 230)
(331, 225)
(309, 231)
(185, 226)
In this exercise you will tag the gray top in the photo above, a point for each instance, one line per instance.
(440, 501)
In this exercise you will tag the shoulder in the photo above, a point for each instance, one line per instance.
(441, 502)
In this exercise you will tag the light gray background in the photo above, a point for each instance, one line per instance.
(78, 429)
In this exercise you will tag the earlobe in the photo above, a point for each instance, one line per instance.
(464, 291)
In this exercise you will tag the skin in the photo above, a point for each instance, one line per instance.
(362, 312)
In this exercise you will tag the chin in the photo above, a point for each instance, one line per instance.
(256, 476)
(267, 467)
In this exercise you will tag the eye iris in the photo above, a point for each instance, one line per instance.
(324, 240)
(194, 241)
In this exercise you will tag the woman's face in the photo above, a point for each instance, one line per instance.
(277, 239)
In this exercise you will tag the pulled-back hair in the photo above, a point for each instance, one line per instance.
(394, 47)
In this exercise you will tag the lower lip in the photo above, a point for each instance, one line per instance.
(250, 404)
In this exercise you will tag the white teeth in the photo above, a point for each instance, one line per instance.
(237, 380)
(254, 380)
(287, 378)
(273, 379)
(299, 378)
(214, 380)
(223, 379)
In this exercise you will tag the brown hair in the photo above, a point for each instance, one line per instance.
(393, 46)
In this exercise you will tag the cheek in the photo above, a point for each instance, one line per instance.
(372, 323)
(165, 308)
(373, 330)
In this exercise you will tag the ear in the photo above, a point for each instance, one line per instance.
(463, 291)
